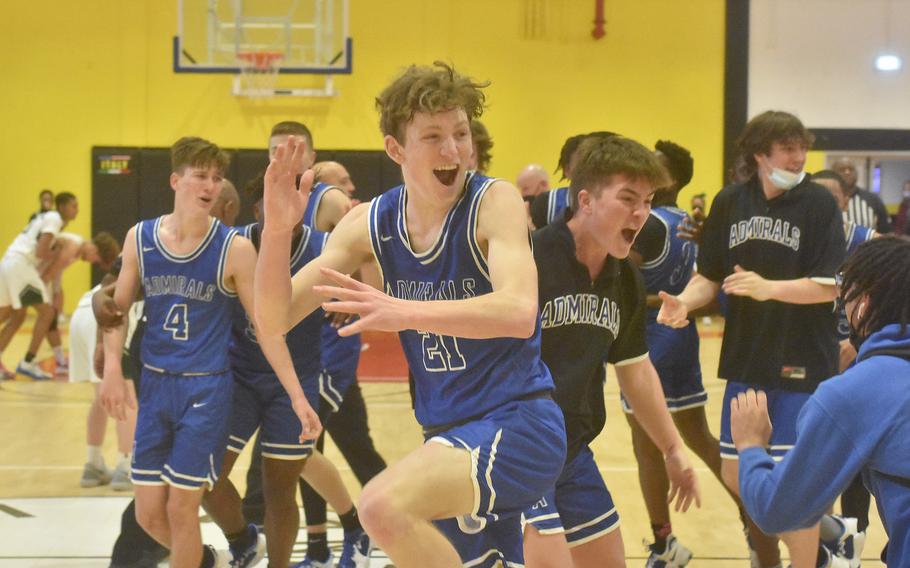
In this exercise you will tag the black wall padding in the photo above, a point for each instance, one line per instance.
(129, 183)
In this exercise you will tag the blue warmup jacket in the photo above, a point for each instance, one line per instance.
(856, 422)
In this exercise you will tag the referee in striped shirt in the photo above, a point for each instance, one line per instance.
(865, 208)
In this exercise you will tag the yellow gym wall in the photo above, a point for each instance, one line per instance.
(98, 72)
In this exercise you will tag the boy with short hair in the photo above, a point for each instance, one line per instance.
(773, 244)
(460, 287)
(191, 269)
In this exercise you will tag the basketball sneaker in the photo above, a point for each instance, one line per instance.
(311, 563)
(32, 370)
(94, 476)
(62, 370)
(252, 554)
(674, 555)
(849, 543)
(120, 479)
(355, 552)
(222, 557)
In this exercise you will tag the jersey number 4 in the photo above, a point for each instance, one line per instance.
(441, 353)
(178, 323)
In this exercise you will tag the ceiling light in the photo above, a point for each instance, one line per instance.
(888, 62)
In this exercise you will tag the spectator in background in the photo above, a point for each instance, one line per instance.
(46, 201)
(532, 181)
(335, 174)
(865, 208)
(901, 224)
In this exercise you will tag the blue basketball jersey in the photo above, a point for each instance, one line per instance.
(672, 269)
(856, 235)
(312, 207)
(557, 203)
(302, 339)
(455, 378)
(187, 303)
(339, 354)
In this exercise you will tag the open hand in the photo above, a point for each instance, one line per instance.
(747, 283)
(673, 312)
(750, 424)
(286, 196)
(683, 481)
(377, 310)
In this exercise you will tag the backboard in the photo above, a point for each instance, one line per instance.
(215, 36)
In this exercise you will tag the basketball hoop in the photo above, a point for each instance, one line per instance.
(258, 73)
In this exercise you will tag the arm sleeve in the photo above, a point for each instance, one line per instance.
(828, 249)
(631, 344)
(651, 239)
(796, 492)
(713, 248)
(539, 209)
(52, 223)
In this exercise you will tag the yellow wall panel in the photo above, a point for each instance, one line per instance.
(98, 72)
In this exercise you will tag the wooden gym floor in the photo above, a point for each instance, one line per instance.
(46, 519)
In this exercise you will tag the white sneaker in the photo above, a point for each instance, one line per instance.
(32, 370)
(222, 557)
(849, 545)
(93, 476)
(674, 555)
(120, 479)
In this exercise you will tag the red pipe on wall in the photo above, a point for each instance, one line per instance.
(599, 20)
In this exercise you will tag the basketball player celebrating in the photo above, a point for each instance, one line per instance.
(593, 311)
(190, 267)
(773, 244)
(461, 291)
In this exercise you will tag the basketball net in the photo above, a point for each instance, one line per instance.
(258, 73)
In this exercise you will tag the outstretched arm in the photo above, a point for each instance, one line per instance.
(674, 310)
(510, 310)
(641, 387)
(797, 291)
(279, 303)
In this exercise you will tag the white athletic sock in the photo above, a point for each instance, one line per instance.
(59, 355)
(95, 457)
(123, 461)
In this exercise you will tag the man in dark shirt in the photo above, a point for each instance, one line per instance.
(592, 302)
(773, 243)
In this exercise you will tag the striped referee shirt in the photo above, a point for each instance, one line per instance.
(867, 210)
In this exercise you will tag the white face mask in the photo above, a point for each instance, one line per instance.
(785, 179)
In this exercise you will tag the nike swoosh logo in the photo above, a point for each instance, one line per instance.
(199, 404)
(385, 239)
(148, 249)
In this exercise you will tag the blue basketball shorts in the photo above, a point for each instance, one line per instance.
(674, 353)
(332, 387)
(181, 429)
(580, 505)
(517, 452)
(783, 407)
(260, 401)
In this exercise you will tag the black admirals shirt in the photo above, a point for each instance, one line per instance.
(584, 325)
(796, 235)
